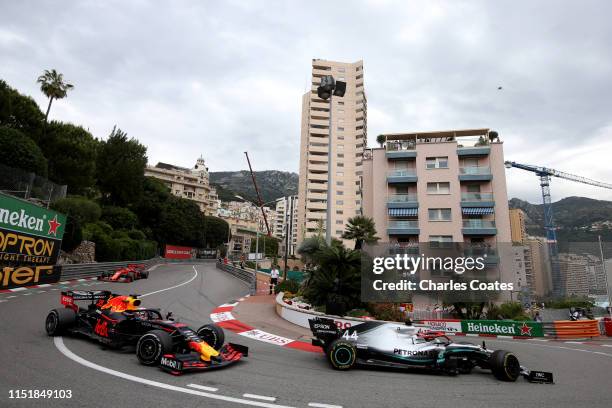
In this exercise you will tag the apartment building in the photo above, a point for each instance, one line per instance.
(539, 263)
(444, 187)
(348, 139)
(193, 184)
(517, 225)
(574, 273)
(286, 223)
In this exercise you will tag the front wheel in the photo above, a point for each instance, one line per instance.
(212, 334)
(342, 354)
(504, 365)
(152, 346)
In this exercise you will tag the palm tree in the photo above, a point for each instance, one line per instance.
(53, 86)
(381, 139)
(361, 229)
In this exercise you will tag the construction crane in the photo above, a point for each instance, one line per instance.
(259, 200)
(545, 174)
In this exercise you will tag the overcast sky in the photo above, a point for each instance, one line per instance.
(220, 77)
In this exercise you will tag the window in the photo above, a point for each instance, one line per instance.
(437, 162)
(340, 164)
(438, 188)
(339, 183)
(339, 202)
(339, 192)
(473, 188)
(358, 202)
(339, 232)
(340, 222)
(340, 128)
(340, 103)
(341, 70)
(339, 212)
(440, 241)
(340, 173)
(340, 137)
(439, 214)
(340, 155)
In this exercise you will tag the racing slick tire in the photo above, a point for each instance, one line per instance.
(58, 320)
(152, 346)
(144, 275)
(341, 354)
(504, 365)
(213, 335)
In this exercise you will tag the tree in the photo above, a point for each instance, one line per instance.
(20, 112)
(71, 152)
(120, 168)
(119, 217)
(337, 280)
(53, 86)
(84, 210)
(381, 139)
(270, 244)
(361, 229)
(21, 152)
(215, 232)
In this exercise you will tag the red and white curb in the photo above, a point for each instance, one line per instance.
(223, 317)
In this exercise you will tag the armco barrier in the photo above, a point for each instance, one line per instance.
(567, 329)
(243, 274)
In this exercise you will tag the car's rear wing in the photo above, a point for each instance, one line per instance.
(324, 330)
(70, 296)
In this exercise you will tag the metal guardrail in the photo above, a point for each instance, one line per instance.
(246, 275)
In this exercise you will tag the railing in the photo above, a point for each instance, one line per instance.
(404, 224)
(245, 275)
(478, 224)
(473, 170)
(480, 251)
(401, 173)
(476, 196)
(399, 146)
(402, 198)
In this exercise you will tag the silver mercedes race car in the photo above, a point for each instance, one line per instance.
(385, 344)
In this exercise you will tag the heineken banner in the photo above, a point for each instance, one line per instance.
(503, 328)
(30, 241)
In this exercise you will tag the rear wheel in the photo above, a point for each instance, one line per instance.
(504, 365)
(342, 354)
(58, 320)
(152, 346)
(144, 275)
(213, 335)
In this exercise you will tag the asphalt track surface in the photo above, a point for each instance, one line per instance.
(103, 378)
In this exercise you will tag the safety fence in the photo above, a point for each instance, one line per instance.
(567, 329)
(245, 275)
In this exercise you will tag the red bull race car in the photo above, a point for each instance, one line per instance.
(130, 273)
(117, 321)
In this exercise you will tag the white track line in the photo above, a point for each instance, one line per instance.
(44, 285)
(606, 345)
(259, 397)
(574, 342)
(59, 343)
(175, 286)
(18, 289)
(203, 388)
(318, 405)
(10, 297)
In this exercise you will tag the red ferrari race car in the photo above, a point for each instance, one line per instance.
(117, 321)
(130, 273)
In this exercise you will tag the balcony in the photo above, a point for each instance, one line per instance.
(479, 227)
(402, 201)
(474, 151)
(402, 176)
(477, 200)
(317, 167)
(400, 150)
(475, 174)
(490, 255)
(318, 149)
(403, 227)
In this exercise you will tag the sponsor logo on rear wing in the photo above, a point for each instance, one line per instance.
(76, 295)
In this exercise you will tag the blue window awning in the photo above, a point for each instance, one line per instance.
(478, 210)
(403, 212)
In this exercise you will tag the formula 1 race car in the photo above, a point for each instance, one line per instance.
(383, 344)
(117, 321)
(130, 273)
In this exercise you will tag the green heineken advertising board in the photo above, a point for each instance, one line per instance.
(503, 328)
(30, 241)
